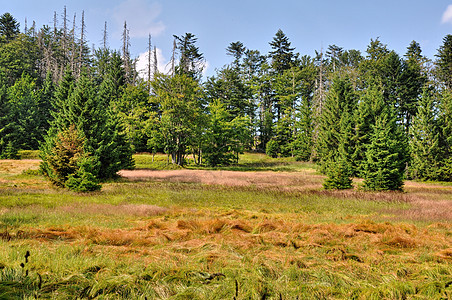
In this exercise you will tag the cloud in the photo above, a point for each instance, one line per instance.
(447, 15)
(141, 18)
(142, 63)
(163, 64)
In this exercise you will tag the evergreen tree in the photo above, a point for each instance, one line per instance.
(282, 54)
(8, 128)
(24, 98)
(9, 28)
(386, 154)
(425, 140)
(444, 62)
(370, 107)
(236, 50)
(340, 168)
(230, 89)
(445, 140)
(304, 116)
(412, 81)
(191, 61)
(341, 99)
(85, 110)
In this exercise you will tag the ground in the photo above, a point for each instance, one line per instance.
(222, 234)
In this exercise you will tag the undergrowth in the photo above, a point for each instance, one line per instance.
(172, 240)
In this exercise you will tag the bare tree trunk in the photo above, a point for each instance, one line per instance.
(149, 58)
(155, 62)
(82, 44)
(105, 36)
(73, 46)
(173, 57)
(125, 52)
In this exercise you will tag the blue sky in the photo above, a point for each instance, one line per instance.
(309, 24)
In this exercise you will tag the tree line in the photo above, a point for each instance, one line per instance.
(375, 115)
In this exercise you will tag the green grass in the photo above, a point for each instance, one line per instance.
(169, 240)
(247, 162)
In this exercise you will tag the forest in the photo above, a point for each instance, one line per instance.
(378, 115)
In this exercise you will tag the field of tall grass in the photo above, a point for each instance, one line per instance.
(182, 238)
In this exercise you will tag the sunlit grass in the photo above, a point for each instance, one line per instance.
(247, 162)
(187, 240)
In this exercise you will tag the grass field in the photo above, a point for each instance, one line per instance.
(267, 230)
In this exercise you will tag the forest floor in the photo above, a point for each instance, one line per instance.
(263, 229)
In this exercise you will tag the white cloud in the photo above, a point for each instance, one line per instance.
(142, 63)
(163, 65)
(141, 18)
(447, 15)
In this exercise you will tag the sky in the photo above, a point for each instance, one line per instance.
(310, 25)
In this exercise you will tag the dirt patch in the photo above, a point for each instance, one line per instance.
(426, 199)
(13, 167)
(228, 178)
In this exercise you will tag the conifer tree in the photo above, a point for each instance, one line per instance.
(369, 108)
(341, 100)
(8, 128)
(444, 61)
(425, 140)
(339, 170)
(386, 154)
(86, 110)
(282, 54)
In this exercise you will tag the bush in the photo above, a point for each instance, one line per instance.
(272, 148)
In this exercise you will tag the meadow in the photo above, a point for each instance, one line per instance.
(261, 229)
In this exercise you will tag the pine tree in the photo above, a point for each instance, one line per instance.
(24, 98)
(386, 155)
(341, 100)
(369, 108)
(444, 61)
(87, 111)
(425, 140)
(339, 169)
(9, 28)
(282, 55)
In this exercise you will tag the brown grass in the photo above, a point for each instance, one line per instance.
(14, 167)
(141, 210)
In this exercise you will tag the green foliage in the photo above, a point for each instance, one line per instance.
(272, 148)
(386, 155)
(180, 99)
(65, 156)
(425, 147)
(444, 62)
(336, 120)
(230, 89)
(105, 149)
(10, 151)
(17, 57)
(282, 54)
(25, 100)
(9, 27)
(134, 113)
(82, 181)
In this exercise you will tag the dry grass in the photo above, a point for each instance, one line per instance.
(14, 167)
(219, 236)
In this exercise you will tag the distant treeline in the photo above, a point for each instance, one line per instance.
(376, 115)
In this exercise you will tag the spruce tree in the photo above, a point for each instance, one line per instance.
(339, 169)
(340, 103)
(369, 108)
(386, 154)
(86, 109)
(425, 140)
(444, 62)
